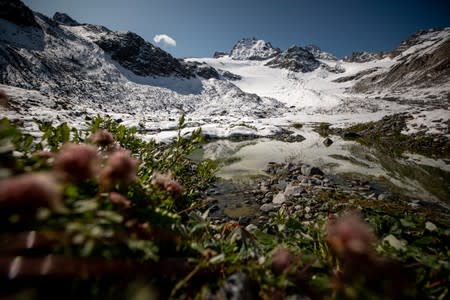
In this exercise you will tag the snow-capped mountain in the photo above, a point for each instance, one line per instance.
(253, 49)
(58, 69)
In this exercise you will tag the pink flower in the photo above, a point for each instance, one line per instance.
(102, 138)
(166, 182)
(77, 161)
(30, 191)
(119, 199)
(120, 168)
(350, 235)
(282, 259)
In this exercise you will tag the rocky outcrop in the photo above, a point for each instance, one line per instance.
(363, 56)
(64, 19)
(336, 68)
(253, 49)
(295, 59)
(16, 12)
(219, 54)
(230, 76)
(356, 76)
(142, 58)
(203, 70)
(319, 54)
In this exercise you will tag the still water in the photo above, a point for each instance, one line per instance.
(415, 176)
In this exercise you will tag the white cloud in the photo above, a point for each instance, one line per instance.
(165, 39)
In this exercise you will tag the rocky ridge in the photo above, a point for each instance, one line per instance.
(425, 67)
(363, 56)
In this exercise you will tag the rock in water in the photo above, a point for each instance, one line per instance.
(327, 142)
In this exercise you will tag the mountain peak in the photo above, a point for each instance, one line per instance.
(253, 49)
(64, 19)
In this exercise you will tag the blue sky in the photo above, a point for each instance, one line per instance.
(201, 27)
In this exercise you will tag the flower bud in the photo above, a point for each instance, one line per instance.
(102, 138)
(30, 191)
(76, 161)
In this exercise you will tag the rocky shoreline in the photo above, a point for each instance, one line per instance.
(301, 191)
(388, 135)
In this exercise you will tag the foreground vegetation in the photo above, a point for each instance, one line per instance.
(102, 213)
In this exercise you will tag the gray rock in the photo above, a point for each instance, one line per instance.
(282, 183)
(280, 198)
(251, 228)
(293, 190)
(267, 207)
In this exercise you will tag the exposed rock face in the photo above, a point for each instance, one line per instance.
(336, 68)
(356, 76)
(253, 49)
(230, 76)
(16, 12)
(295, 59)
(363, 56)
(423, 61)
(219, 54)
(63, 19)
(141, 57)
(202, 70)
(318, 53)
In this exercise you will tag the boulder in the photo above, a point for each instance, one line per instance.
(310, 171)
